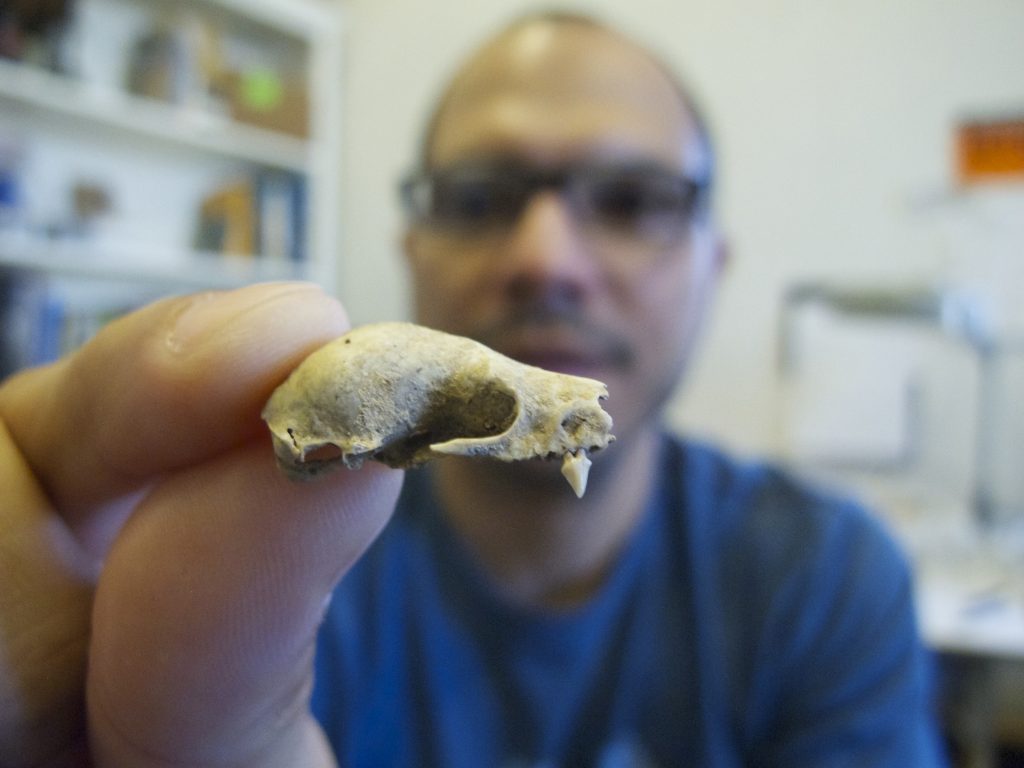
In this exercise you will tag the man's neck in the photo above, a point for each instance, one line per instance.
(540, 544)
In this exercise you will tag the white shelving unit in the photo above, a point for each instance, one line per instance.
(58, 97)
(183, 270)
(88, 113)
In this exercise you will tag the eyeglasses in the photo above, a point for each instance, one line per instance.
(632, 204)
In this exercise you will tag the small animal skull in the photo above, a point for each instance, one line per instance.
(403, 394)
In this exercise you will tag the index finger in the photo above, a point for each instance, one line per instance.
(171, 385)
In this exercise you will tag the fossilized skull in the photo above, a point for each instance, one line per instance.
(403, 394)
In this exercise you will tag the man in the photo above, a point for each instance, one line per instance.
(687, 611)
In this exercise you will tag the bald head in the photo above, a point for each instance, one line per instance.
(557, 58)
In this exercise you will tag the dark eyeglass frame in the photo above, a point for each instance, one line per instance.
(672, 201)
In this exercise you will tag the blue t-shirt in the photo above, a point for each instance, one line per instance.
(749, 621)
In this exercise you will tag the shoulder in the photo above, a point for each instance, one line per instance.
(738, 497)
(764, 528)
(810, 597)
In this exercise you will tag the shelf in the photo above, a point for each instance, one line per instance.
(305, 18)
(120, 263)
(191, 128)
(63, 289)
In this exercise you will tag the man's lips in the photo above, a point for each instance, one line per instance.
(562, 362)
(560, 349)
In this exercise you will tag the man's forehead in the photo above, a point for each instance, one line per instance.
(563, 88)
(559, 61)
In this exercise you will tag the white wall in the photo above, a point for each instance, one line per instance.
(834, 120)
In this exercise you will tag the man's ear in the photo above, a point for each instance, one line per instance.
(715, 250)
(409, 244)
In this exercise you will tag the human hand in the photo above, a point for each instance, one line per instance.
(145, 531)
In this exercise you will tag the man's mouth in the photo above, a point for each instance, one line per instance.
(559, 360)
(557, 346)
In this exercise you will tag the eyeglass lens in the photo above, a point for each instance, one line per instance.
(646, 203)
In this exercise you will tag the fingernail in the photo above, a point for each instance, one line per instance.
(205, 313)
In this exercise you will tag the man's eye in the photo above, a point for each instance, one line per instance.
(627, 202)
(621, 201)
(470, 203)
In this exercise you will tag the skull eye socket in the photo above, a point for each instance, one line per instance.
(472, 409)
(490, 410)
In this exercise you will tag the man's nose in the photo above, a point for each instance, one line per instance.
(547, 249)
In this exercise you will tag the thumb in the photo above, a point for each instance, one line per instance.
(205, 618)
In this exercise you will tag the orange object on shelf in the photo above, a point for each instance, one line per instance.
(226, 221)
(990, 150)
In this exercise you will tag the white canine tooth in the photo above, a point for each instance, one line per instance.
(403, 394)
(576, 469)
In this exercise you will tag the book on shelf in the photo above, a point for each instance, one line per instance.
(280, 216)
(45, 319)
(227, 220)
(263, 217)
